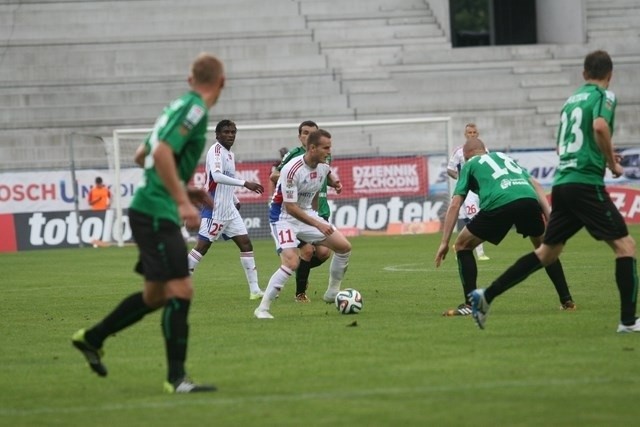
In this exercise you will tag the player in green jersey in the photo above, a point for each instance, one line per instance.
(509, 197)
(579, 196)
(310, 255)
(161, 204)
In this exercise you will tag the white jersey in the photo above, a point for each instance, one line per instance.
(299, 183)
(221, 160)
(471, 205)
(456, 160)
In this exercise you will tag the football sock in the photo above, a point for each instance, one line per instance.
(515, 274)
(175, 330)
(468, 271)
(556, 274)
(337, 269)
(129, 311)
(194, 259)
(276, 283)
(479, 250)
(302, 275)
(250, 271)
(315, 261)
(627, 281)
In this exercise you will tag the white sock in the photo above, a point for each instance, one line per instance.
(250, 271)
(480, 250)
(276, 283)
(194, 259)
(337, 268)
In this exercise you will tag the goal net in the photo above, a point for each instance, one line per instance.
(393, 173)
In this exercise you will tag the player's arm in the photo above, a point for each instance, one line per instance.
(221, 178)
(165, 166)
(274, 176)
(452, 173)
(140, 154)
(334, 183)
(542, 197)
(450, 221)
(602, 134)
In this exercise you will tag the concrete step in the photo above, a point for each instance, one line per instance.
(156, 93)
(339, 22)
(366, 33)
(103, 67)
(310, 7)
(123, 115)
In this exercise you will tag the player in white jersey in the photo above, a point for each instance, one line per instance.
(224, 219)
(299, 182)
(471, 205)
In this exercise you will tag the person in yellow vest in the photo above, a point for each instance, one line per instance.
(99, 196)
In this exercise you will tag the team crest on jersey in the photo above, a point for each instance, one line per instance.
(313, 175)
(289, 183)
(193, 116)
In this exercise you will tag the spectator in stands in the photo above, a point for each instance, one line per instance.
(162, 202)
(471, 204)
(293, 219)
(579, 196)
(521, 203)
(99, 196)
(224, 219)
(311, 256)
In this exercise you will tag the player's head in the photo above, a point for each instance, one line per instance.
(98, 180)
(226, 132)
(283, 151)
(473, 147)
(304, 130)
(318, 146)
(598, 66)
(471, 131)
(206, 77)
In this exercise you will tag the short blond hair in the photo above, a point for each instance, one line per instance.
(206, 69)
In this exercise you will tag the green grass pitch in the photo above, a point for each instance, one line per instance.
(403, 364)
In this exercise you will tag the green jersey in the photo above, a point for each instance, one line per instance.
(581, 161)
(496, 178)
(183, 125)
(323, 205)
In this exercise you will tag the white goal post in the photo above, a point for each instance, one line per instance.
(386, 139)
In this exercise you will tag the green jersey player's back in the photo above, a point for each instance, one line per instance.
(323, 205)
(183, 125)
(581, 161)
(496, 178)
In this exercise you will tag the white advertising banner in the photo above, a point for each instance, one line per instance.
(52, 191)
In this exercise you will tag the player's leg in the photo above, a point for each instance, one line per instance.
(341, 248)
(237, 231)
(464, 245)
(556, 274)
(286, 242)
(627, 282)
(307, 251)
(471, 207)
(132, 308)
(207, 234)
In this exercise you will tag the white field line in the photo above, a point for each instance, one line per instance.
(215, 399)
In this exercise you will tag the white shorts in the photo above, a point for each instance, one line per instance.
(287, 234)
(471, 206)
(212, 229)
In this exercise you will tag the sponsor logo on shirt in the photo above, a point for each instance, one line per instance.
(193, 116)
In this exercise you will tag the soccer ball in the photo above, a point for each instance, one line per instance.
(349, 301)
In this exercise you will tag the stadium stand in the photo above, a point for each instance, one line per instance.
(90, 66)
